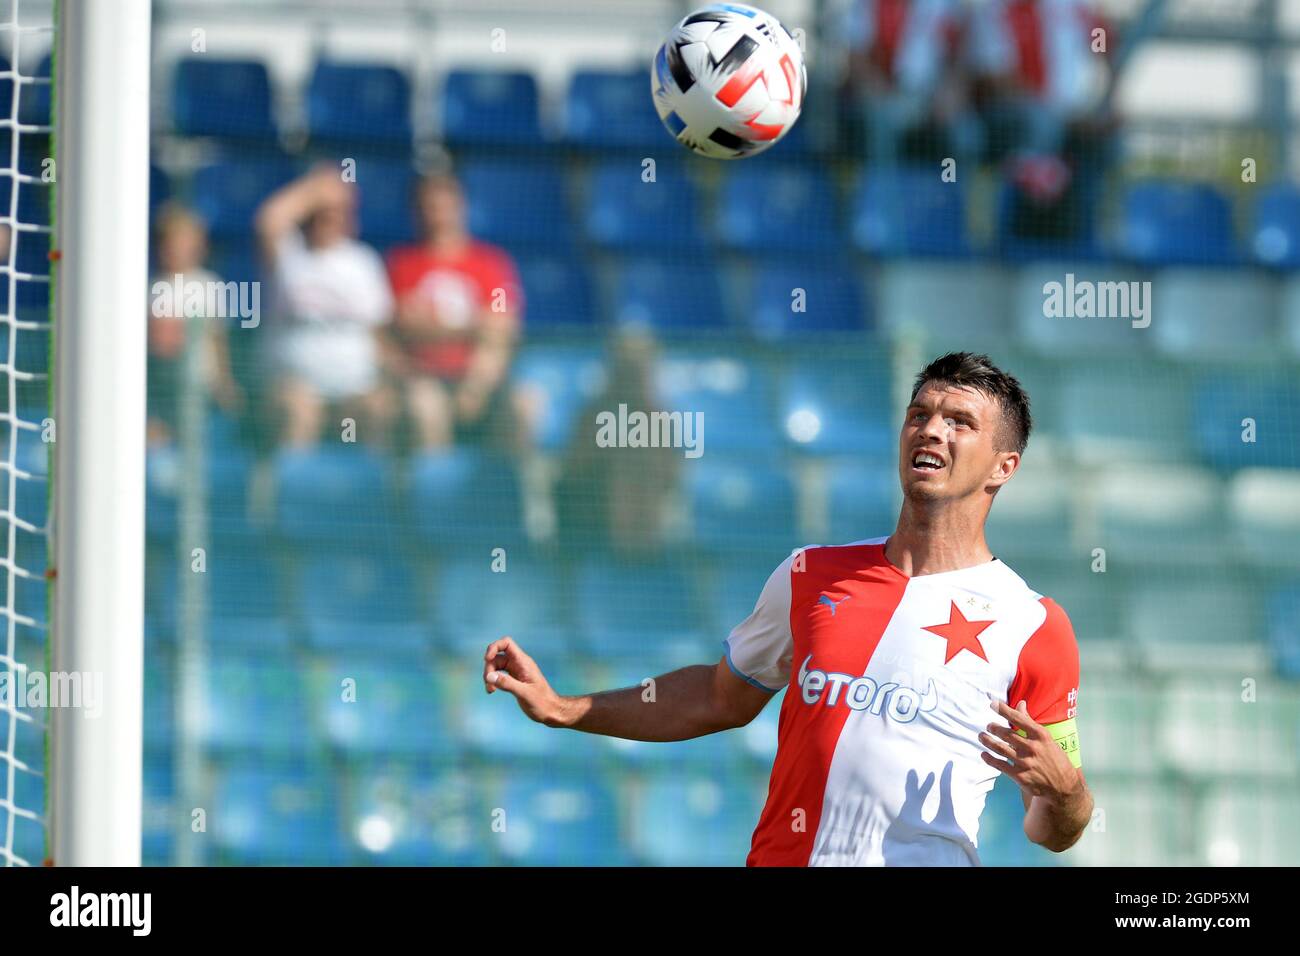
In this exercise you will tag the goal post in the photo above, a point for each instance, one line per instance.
(101, 106)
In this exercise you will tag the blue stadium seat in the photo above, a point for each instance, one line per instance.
(560, 822)
(243, 598)
(359, 102)
(1014, 246)
(1001, 839)
(909, 212)
(226, 193)
(465, 498)
(517, 205)
(473, 604)
(1223, 402)
(285, 816)
(490, 108)
(557, 293)
(1283, 613)
(741, 506)
(227, 477)
(1275, 228)
(413, 815)
(225, 98)
(1039, 325)
(255, 702)
(559, 381)
(734, 584)
(625, 212)
(836, 405)
(158, 820)
(1193, 304)
(862, 501)
(695, 820)
(159, 704)
(387, 205)
(766, 208)
(392, 706)
(732, 395)
(1111, 414)
(495, 732)
(360, 603)
(958, 304)
(794, 302)
(1164, 223)
(646, 611)
(34, 108)
(671, 296)
(611, 111)
(336, 497)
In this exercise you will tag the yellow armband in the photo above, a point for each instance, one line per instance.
(1066, 735)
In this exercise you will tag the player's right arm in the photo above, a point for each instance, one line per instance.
(690, 702)
(685, 703)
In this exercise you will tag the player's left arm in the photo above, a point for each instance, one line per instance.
(1040, 748)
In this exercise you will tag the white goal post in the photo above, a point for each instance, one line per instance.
(101, 106)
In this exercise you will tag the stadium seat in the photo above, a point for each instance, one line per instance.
(474, 604)
(730, 396)
(390, 706)
(495, 729)
(1275, 228)
(909, 212)
(465, 498)
(223, 98)
(255, 702)
(226, 193)
(335, 496)
(1198, 623)
(741, 505)
(839, 405)
(625, 212)
(490, 108)
(1208, 732)
(1001, 837)
(282, 816)
(606, 111)
(387, 204)
(1223, 402)
(1117, 412)
(638, 610)
(349, 103)
(765, 208)
(158, 814)
(360, 603)
(862, 501)
(559, 822)
(695, 819)
(1033, 511)
(557, 294)
(671, 297)
(1160, 511)
(1215, 316)
(734, 583)
(519, 205)
(956, 305)
(413, 815)
(1166, 224)
(1283, 613)
(226, 500)
(1026, 232)
(557, 382)
(1110, 706)
(245, 607)
(793, 302)
(1264, 507)
(1247, 824)
(1139, 829)
(1043, 288)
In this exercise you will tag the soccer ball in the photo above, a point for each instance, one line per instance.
(729, 81)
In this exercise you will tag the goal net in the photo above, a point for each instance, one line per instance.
(26, 428)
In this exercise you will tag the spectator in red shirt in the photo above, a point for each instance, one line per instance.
(458, 310)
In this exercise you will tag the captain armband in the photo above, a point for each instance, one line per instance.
(1066, 735)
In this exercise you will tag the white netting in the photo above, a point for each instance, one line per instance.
(25, 40)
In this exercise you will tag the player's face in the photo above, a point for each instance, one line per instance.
(948, 444)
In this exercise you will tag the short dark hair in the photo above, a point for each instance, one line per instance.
(977, 371)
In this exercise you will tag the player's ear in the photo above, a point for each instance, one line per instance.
(1006, 465)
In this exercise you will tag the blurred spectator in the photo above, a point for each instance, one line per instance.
(459, 308)
(904, 78)
(330, 302)
(181, 244)
(618, 499)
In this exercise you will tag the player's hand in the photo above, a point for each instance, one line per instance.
(506, 667)
(1035, 761)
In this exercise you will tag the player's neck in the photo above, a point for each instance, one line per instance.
(935, 540)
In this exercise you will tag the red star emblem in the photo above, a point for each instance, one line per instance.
(961, 634)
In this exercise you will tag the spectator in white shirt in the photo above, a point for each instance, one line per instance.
(329, 303)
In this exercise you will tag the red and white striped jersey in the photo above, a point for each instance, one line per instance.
(890, 680)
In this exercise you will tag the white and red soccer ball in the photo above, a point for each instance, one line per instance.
(729, 81)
